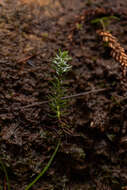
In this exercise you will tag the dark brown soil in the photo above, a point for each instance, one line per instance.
(93, 151)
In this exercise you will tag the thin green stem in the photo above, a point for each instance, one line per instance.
(45, 168)
(103, 24)
(6, 175)
(58, 112)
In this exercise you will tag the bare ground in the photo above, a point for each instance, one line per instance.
(94, 155)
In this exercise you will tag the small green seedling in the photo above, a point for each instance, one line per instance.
(61, 67)
(104, 21)
(57, 103)
(89, 2)
(79, 26)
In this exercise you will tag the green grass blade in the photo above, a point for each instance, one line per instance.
(1, 188)
(45, 168)
(6, 175)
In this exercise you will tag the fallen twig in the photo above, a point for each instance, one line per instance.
(27, 58)
(66, 97)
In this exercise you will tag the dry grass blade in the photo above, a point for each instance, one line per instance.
(117, 52)
(67, 97)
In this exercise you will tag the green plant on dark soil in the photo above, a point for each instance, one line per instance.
(57, 104)
(104, 21)
(60, 65)
(79, 26)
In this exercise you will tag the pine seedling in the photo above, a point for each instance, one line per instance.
(104, 21)
(61, 67)
(57, 103)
